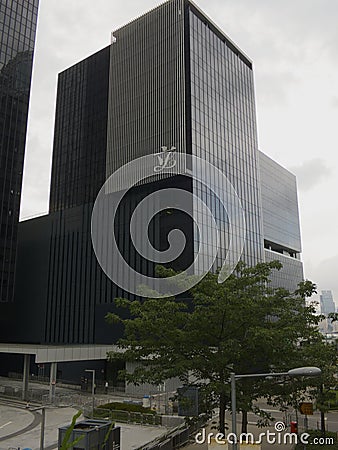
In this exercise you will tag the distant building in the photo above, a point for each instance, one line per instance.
(327, 304)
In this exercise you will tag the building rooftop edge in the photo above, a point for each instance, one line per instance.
(201, 12)
(220, 30)
(278, 164)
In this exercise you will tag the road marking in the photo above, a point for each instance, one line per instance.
(5, 425)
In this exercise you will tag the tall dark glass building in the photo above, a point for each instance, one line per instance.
(17, 35)
(170, 78)
(174, 79)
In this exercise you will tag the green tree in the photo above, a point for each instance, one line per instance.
(241, 325)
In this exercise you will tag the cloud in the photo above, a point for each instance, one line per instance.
(303, 27)
(311, 173)
(287, 41)
(275, 87)
(334, 102)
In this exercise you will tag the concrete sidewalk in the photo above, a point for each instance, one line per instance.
(20, 427)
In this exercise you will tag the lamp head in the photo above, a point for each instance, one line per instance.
(305, 372)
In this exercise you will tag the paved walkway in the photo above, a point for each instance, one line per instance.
(21, 428)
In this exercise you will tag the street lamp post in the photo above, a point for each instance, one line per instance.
(298, 372)
(92, 371)
(43, 424)
(233, 409)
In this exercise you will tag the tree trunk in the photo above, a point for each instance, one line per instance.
(222, 407)
(244, 421)
(322, 422)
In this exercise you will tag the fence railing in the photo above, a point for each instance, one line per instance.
(42, 396)
(100, 384)
(16, 393)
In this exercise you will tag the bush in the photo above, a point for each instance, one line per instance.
(130, 407)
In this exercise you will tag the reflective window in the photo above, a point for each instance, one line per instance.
(17, 35)
(224, 130)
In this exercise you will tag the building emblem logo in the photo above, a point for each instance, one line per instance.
(166, 159)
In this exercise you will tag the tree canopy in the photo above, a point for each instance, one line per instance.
(242, 325)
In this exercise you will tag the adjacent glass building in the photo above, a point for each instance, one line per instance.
(281, 228)
(170, 78)
(17, 36)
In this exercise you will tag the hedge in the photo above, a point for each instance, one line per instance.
(130, 407)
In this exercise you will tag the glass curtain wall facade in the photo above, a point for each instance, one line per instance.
(17, 36)
(175, 79)
(224, 129)
(147, 86)
(80, 134)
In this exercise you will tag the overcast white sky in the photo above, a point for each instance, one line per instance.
(294, 48)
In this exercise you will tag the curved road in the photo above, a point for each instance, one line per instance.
(36, 420)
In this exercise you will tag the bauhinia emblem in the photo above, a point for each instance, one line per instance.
(166, 159)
